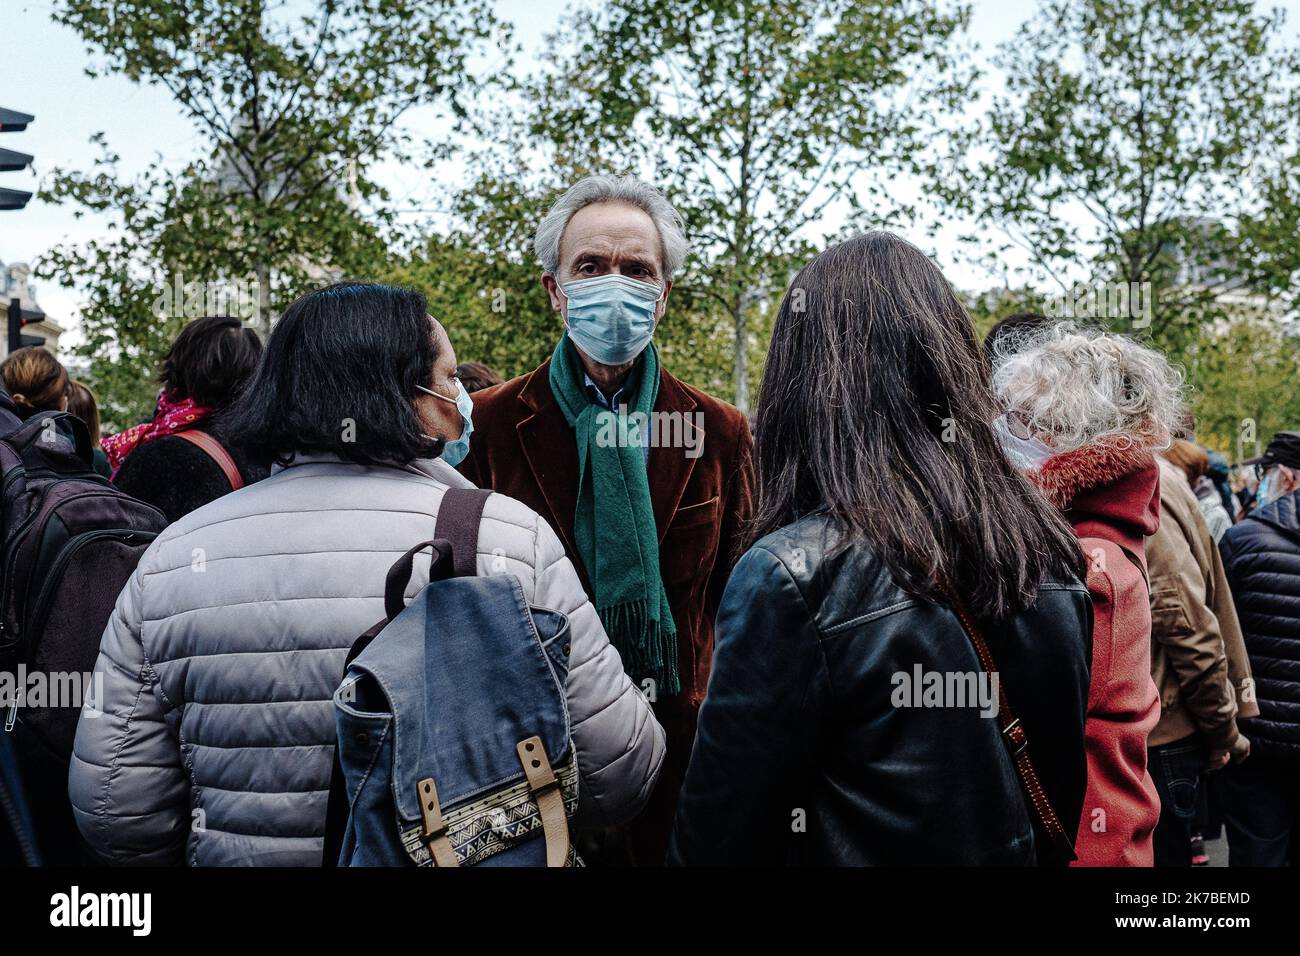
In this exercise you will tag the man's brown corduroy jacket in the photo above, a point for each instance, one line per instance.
(523, 447)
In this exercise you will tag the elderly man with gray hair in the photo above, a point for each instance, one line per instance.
(647, 480)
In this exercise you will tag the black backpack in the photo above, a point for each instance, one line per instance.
(70, 542)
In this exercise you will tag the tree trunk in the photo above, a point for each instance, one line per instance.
(263, 300)
(742, 355)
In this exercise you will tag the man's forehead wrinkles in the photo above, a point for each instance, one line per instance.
(605, 242)
(605, 254)
(623, 255)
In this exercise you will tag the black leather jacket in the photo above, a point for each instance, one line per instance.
(802, 754)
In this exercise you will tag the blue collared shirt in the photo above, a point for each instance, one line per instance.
(613, 404)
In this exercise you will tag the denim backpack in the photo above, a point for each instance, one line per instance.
(453, 729)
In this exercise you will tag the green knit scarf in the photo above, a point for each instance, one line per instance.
(614, 526)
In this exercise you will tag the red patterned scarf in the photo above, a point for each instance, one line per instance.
(170, 417)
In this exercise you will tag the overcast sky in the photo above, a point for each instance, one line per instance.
(44, 75)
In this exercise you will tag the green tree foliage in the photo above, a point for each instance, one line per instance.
(756, 118)
(988, 308)
(1134, 144)
(1268, 239)
(1246, 378)
(481, 279)
(291, 104)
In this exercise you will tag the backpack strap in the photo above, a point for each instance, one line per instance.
(545, 788)
(459, 516)
(399, 576)
(217, 452)
(433, 829)
(1017, 741)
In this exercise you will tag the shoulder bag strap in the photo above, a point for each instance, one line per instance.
(217, 452)
(1017, 741)
(459, 516)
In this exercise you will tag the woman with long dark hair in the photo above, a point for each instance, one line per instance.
(849, 718)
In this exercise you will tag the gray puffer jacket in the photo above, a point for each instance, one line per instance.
(215, 742)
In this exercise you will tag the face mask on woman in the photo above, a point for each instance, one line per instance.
(455, 450)
(611, 317)
(1025, 452)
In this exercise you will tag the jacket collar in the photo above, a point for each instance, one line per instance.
(439, 471)
(9, 420)
(547, 443)
(1282, 513)
(1105, 491)
(434, 468)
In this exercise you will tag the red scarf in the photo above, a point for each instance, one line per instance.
(170, 417)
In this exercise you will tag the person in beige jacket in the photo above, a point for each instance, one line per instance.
(1198, 663)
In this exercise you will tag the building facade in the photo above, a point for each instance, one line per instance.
(14, 284)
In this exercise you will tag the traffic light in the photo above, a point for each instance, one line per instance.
(11, 121)
(18, 317)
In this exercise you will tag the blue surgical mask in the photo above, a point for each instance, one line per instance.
(611, 317)
(1264, 493)
(1026, 454)
(455, 450)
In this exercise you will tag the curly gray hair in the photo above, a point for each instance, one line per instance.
(1085, 385)
(619, 189)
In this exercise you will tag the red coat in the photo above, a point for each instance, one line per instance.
(1112, 500)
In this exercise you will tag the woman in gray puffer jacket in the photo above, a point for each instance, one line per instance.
(213, 741)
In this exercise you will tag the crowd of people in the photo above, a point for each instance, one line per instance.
(938, 601)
